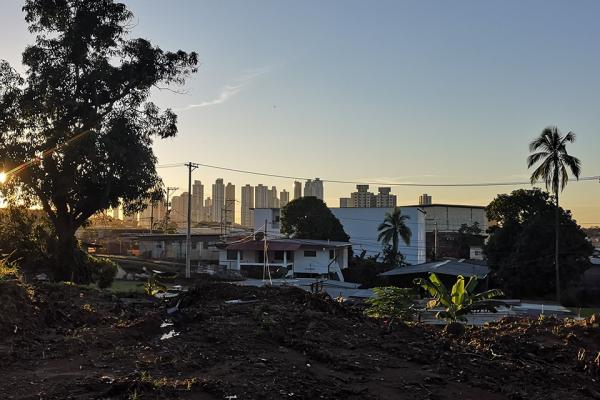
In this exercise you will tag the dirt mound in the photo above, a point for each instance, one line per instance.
(17, 309)
(222, 340)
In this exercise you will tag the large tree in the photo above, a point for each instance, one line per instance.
(77, 129)
(550, 151)
(309, 218)
(517, 248)
(391, 230)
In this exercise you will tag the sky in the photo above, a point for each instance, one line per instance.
(385, 91)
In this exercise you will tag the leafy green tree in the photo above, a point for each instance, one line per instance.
(309, 218)
(519, 249)
(550, 151)
(391, 230)
(459, 301)
(77, 129)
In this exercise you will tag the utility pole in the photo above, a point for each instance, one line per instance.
(151, 216)
(188, 238)
(435, 241)
(170, 189)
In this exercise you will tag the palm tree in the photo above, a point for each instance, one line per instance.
(392, 229)
(550, 150)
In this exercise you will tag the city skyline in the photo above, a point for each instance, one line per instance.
(430, 102)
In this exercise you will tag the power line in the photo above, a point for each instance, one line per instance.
(472, 184)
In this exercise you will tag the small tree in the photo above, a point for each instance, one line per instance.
(310, 218)
(461, 300)
(391, 230)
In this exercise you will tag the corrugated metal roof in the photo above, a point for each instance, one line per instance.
(449, 267)
(287, 244)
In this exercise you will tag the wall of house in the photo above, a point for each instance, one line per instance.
(271, 216)
(361, 225)
(175, 250)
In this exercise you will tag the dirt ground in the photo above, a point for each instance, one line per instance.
(64, 342)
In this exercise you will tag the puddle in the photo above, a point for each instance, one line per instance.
(169, 335)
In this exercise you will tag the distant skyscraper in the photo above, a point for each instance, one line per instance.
(284, 198)
(345, 202)
(154, 213)
(424, 200)
(261, 196)
(297, 190)
(247, 203)
(179, 206)
(314, 188)
(229, 203)
(197, 201)
(362, 197)
(218, 200)
(384, 198)
(272, 200)
(208, 210)
(115, 212)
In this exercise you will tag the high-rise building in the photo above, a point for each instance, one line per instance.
(272, 200)
(153, 214)
(247, 204)
(218, 200)
(425, 200)
(314, 188)
(284, 198)
(197, 202)
(362, 197)
(229, 209)
(384, 198)
(345, 202)
(207, 210)
(261, 196)
(297, 190)
(179, 207)
(115, 213)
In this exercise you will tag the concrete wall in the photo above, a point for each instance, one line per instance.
(361, 225)
(450, 218)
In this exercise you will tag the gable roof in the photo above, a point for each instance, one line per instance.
(448, 267)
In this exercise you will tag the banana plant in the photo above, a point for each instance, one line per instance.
(461, 300)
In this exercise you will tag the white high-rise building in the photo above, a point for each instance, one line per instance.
(272, 200)
(218, 200)
(261, 196)
(284, 198)
(314, 188)
(362, 198)
(384, 198)
(197, 202)
(153, 214)
(229, 209)
(247, 205)
(207, 210)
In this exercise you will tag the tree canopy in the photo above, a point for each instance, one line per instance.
(520, 247)
(310, 218)
(76, 131)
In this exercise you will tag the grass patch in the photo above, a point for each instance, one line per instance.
(585, 312)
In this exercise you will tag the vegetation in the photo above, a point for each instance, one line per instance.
(8, 270)
(391, 230)
(461, 300)
(76, 131)
(392, 303)
(309, 218)
(518, 246)
(103, 271)
(550, 151)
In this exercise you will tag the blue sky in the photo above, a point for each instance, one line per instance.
(414, 91)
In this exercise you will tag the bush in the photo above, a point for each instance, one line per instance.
(102, 271)
(392, 303)
(8, 270)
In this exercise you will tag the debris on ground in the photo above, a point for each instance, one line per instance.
(236, 342)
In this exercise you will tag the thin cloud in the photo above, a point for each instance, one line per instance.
(231, 90)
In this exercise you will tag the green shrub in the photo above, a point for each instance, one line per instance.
(102, 270)
(392, 303)
(8, 270)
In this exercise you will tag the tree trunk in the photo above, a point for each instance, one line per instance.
(556, 244)
(69, 262)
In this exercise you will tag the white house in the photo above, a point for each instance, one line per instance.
(302, 257)
(361, 225)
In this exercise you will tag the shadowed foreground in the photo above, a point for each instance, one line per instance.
(65, 342)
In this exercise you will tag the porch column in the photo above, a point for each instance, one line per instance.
(238, 260)
(285, 259)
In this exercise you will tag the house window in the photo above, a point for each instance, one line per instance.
(278, 255)
(232, 255)
(194, 245)
(331, 254)
(159, 245)
(310, 253)
(205, 245)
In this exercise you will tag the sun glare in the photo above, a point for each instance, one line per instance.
(2, 177)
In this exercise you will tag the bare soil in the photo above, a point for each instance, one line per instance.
(64, 342)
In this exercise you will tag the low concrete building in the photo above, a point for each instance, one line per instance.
(303, 258)
(172, 247)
